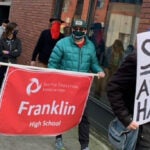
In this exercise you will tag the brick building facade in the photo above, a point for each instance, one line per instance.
(33, 17)
(145, 16)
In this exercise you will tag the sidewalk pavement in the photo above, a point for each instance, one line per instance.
(48, 143)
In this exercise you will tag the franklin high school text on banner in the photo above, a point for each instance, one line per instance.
(36, 102)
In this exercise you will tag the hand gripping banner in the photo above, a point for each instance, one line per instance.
(37, 102)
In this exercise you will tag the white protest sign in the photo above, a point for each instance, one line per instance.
(142, 97)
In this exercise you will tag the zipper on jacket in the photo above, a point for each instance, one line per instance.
(79, 60)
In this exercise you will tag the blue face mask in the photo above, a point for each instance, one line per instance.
(78, 35)
(15, 32)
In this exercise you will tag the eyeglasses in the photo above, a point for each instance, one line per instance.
(79, 28)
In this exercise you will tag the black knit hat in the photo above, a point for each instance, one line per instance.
(55, 19)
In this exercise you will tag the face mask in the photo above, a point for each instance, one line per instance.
(78, 35)
(55, 30)
(15, 32)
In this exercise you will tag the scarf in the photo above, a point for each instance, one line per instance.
(55, 30)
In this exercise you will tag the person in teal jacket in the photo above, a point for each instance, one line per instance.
(76, 53)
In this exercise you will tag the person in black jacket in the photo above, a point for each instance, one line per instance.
(46, 43)
(121, 92)
(10, 47)
(98, 40)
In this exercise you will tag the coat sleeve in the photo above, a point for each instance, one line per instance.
(95, 67)
(121, 90)
(1, 48)
(38, 46)
(56, 56)
(17, 51)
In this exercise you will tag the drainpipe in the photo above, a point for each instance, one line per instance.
(58, 8)
(91, 12)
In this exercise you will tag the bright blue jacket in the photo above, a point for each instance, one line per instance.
(66, 55)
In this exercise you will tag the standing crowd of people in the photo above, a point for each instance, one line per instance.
(76, 51)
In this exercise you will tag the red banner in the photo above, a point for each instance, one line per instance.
(35, 102)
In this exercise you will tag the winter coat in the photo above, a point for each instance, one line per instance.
(44, 46)
(13, 46)
(121, 93)
(121, 90)
(99, 43)
(66, 55)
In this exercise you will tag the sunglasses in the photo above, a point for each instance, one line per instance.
(79, 28)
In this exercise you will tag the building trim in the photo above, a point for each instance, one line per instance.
(5, 3)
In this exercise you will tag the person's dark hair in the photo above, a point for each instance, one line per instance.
(118, 47)
(96, 26)
(9, 29)
(130, 48)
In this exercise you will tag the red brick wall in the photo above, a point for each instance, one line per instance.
(100, 13)
(145, 16)
(85, 9)
(70, 12)
(32, 17)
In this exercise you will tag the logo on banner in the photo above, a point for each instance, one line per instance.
(34, 86)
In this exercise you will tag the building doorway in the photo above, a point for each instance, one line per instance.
(123, 21)
(4, 13)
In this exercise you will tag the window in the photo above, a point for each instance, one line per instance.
(128, 1)
(100, 3)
